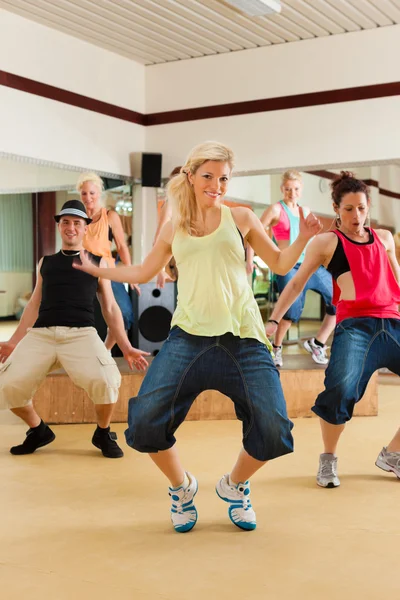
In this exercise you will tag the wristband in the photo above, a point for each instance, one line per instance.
(273, 321)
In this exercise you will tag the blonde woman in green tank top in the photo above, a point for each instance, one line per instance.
(217, 340)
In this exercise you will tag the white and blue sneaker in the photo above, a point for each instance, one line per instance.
(183, 511)
(240, 510)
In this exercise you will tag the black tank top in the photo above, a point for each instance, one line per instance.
(67, 294)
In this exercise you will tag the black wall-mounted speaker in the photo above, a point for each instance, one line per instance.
(153, 311)
(147, 167)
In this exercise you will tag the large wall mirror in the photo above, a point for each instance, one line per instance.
(31, 193)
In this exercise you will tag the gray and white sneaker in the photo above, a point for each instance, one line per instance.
(278, 360)
(389, 461)
(327, 472)
(317, 352)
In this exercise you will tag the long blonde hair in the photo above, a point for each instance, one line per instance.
(179, 190)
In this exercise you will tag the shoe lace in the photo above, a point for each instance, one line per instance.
(328, 468)
(394, 458)
(243, 500)
(179, 505)
(320, 351)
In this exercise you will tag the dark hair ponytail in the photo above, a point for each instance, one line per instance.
(347, 183)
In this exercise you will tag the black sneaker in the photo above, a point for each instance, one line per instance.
(104, 440)
(36, 437)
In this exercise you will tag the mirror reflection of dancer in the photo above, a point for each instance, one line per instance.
(217, 340)
(106, 225)
(283, 218)
(363, 265)
(57, 327)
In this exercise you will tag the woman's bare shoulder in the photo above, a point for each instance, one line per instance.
(167, 232)
(327, 237)
(113, 216)
(386, 238)
(325, 244)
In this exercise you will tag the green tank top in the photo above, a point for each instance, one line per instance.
(214, 295)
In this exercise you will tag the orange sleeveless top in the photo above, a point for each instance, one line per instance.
(96, 239)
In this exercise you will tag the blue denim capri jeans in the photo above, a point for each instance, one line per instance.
(320, 282)
(124, 302)
(187, 365)
(360, 346)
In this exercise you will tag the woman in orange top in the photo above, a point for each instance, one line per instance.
(105, 225)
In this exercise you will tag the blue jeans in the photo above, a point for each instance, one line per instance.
(320, 282)
(124, 302)
(186, 366)
(360, 347)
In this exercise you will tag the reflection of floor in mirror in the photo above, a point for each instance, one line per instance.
(76, 525)
(298, 333)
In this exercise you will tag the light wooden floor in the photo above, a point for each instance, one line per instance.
(76, 525)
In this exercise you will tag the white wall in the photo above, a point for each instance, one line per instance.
(52, 131)
(48, 130)
(50, 56)
(389, 211)
(336, 134)
(389, 178)
(254, 189)
(15, 285)
(328, 63)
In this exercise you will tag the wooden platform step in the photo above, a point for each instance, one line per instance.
(58, 400)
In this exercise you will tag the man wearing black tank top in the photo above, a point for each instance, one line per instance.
(57, 327)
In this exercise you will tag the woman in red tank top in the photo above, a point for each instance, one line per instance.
(366, 278)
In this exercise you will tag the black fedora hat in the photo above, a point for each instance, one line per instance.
(73, 208)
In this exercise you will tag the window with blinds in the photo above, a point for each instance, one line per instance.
(16, 236)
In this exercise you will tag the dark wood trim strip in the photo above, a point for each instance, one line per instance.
(365, 92)
(44, 90)
(389, 193)
(371, 182)
(54, 93)
(323, 174)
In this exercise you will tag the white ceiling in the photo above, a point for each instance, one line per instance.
(157, 31)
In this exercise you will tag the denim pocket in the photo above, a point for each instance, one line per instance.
(346, 324)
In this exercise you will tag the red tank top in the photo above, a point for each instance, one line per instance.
(281, 230)
(377, 291)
